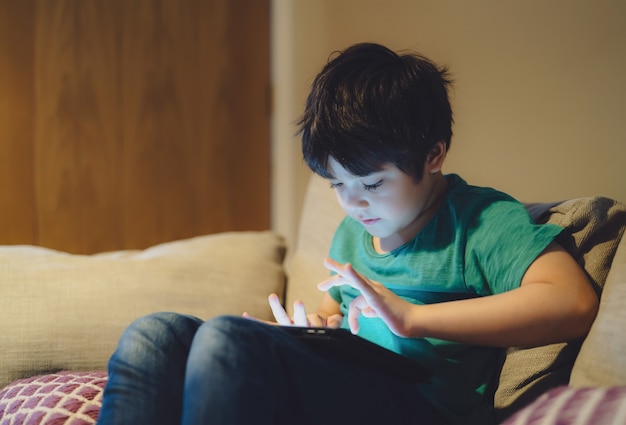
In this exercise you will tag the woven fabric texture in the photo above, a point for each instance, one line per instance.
(575, 406)
(64, 398)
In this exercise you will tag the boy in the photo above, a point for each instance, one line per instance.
(423, 264)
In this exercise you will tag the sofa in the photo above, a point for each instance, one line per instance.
(62, 314)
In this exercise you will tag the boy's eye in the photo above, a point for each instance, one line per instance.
(367, 187)
(372, 186)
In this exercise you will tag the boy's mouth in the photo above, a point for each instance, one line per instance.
(370, 221)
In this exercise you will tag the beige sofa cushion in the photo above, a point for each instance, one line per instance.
(602, 358)
(320, 217)
(66, 312)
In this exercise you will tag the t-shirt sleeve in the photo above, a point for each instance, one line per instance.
(502, 242)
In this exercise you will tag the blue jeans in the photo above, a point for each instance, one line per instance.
(175, 369)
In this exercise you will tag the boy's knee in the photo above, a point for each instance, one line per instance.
(155, 325)
(233, 334)
(228, 323)
(221, 328)
(156, 332)
(235, 326)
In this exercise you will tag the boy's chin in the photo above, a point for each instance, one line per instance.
(374, 233)
(379, 236)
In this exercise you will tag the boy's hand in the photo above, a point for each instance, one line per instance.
(300, 317)
(375, 299)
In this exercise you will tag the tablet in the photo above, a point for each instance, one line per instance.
(343, 344)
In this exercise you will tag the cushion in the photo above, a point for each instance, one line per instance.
(569, 406)
(66, 312)
(602, 357)
(70, 398)
(321, 215)
(593, 229)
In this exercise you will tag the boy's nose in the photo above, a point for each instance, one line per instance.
(354, 201)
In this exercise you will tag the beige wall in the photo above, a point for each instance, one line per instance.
(539, 93)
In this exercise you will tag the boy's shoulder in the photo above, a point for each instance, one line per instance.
(466, 202)
(460, 191)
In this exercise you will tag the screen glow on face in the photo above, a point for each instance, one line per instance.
(387, 203)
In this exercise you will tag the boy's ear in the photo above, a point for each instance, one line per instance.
(435, 157)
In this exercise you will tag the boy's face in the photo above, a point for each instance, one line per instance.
(391, 206)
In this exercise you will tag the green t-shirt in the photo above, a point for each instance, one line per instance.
(480, 242)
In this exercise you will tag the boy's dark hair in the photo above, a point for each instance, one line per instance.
(370, 106)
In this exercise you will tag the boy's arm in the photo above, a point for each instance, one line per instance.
(555, 302)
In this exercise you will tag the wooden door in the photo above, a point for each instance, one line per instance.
(125, 123)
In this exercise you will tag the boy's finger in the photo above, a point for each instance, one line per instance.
(299, 314)
(328, 283)
(279, 312)
(334, 321)
(354, 311)
(333, 265)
